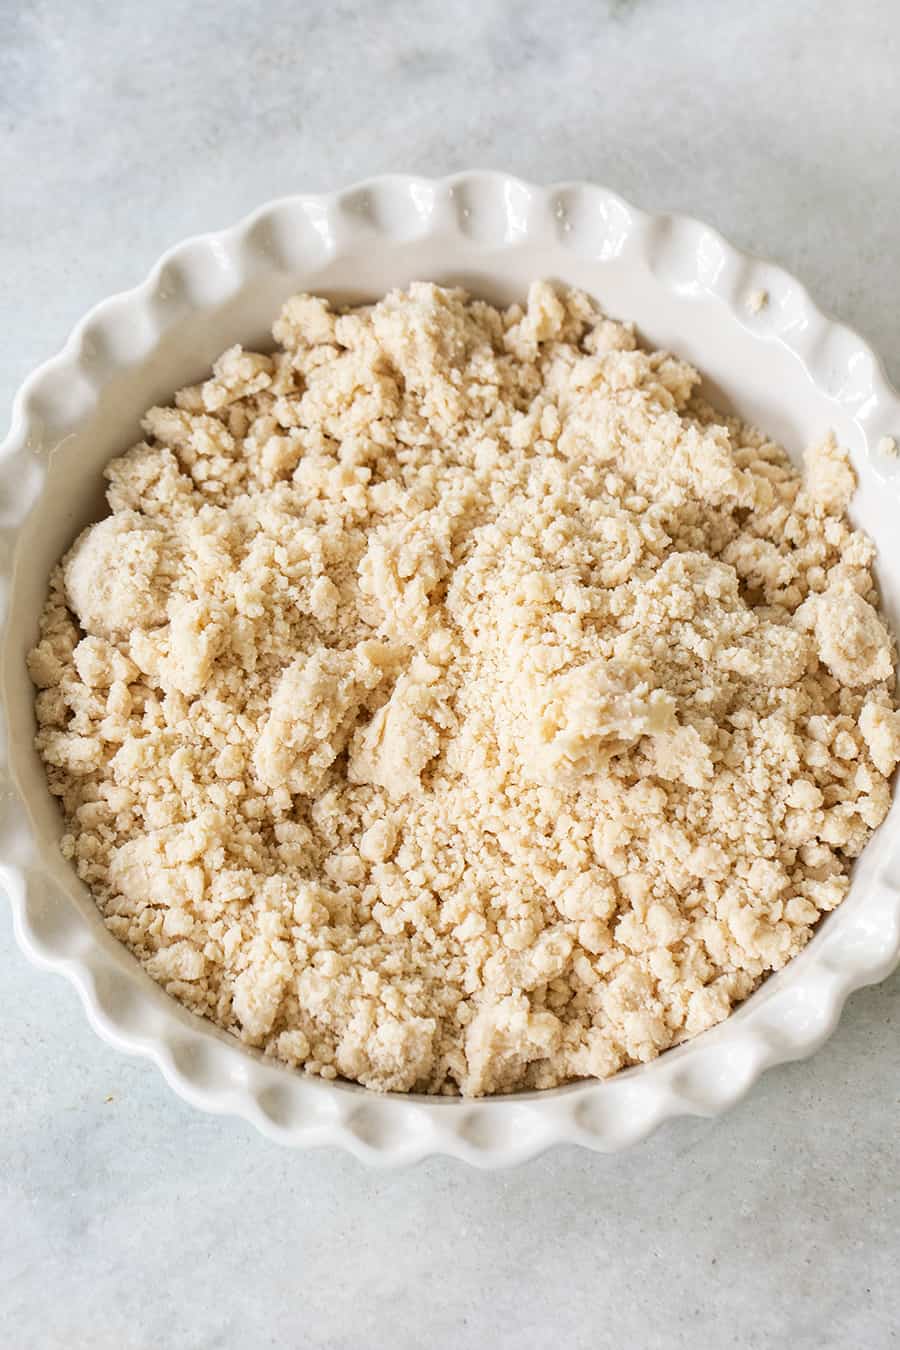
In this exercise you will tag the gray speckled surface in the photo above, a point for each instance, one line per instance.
(130, 1221)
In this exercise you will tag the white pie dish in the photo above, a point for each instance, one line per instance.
(786, 367)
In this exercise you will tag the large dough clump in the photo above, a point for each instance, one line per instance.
(112, 576)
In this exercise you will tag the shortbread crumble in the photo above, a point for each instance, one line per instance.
(454, 702)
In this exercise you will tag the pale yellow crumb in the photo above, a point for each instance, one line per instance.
(757, 300)
(453, 702)
(888, 447)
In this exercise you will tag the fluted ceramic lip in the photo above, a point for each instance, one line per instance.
(469, 221)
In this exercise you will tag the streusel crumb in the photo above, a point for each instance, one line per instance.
(454, 702)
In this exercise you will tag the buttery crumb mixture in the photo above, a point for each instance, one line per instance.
(453, 702)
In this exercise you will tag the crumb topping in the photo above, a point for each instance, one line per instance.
(452, 701)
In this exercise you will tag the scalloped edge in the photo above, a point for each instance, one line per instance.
(788, 1018)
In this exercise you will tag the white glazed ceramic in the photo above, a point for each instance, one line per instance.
(786, 367)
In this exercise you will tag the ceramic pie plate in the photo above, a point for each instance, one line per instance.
(785, 366)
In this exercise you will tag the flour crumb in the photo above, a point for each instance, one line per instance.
(830, 479)
(757, 300)
(455, 703)
(880, 727)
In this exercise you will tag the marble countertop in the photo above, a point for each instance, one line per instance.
(130, 1221)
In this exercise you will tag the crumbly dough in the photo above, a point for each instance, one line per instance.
(455, 703)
